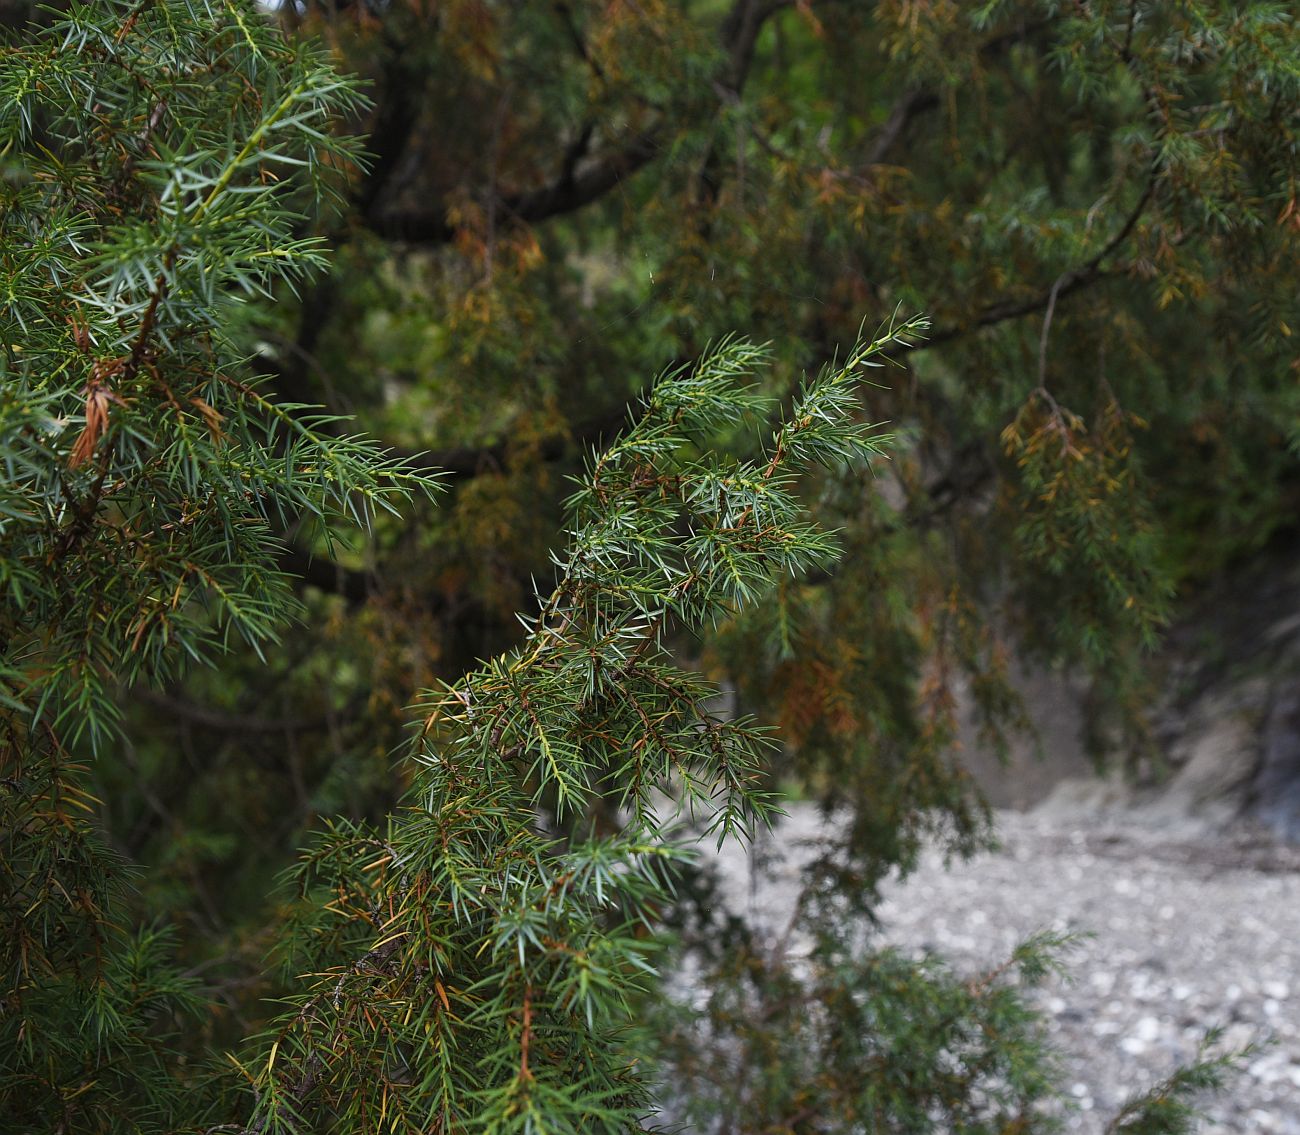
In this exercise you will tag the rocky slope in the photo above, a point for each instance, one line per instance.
(1179, 869)
(1225, 716)
(1190, 929)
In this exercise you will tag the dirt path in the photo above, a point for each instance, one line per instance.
(1189, 932)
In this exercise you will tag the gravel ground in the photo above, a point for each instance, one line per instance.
(1190, 930)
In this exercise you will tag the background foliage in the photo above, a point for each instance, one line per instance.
(1094, 203)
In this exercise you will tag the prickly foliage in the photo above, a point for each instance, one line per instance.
(475, 969)
(155, 158)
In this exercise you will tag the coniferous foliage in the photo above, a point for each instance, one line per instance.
(486, 957)
(154, 159)
(866, 1041)
(1095, 203)
(480, 972)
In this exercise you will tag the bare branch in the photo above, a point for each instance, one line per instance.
(900, 117)
(1073, 280)
(573, 189)
(227, 722)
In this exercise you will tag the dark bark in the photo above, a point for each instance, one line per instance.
(576, 186)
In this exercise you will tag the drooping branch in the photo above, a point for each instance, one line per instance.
(227, 721)
(584, 179)
(466, 461)
(350, 584)
(469, 461)
(1072, 280)
(907, 108)
(740, 31)
(1069, 282)
(397, 114)
(576, 186)
(919, 100)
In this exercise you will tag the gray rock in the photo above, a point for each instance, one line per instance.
(1190, 934)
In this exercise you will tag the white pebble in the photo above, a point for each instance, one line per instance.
(1270, 1069)
(1148, 1029)
(1102, 981)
